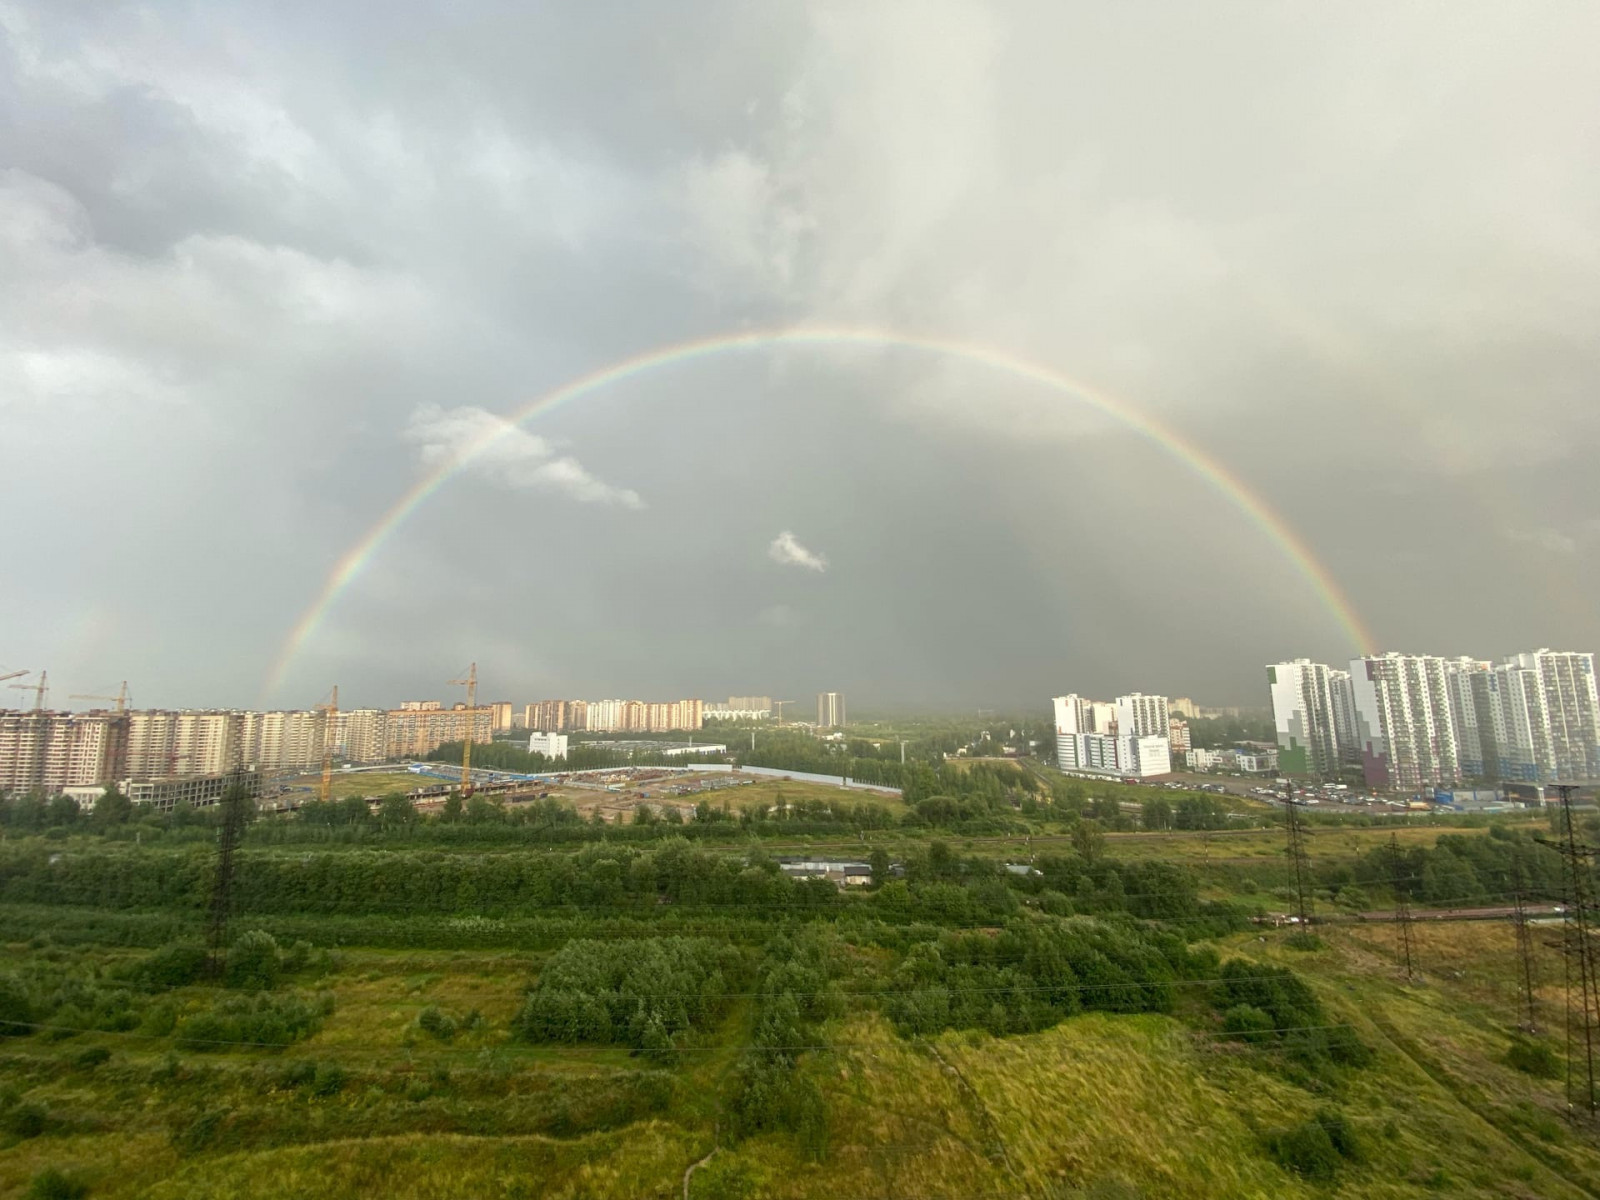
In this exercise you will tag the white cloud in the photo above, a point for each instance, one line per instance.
(787, 550)
(512, 456)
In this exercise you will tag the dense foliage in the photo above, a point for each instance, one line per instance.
(640, 993)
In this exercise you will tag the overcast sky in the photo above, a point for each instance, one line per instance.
(263, 266)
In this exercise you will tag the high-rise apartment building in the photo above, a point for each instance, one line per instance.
(360, 735)
(1178, 736)
(167, 744)
(413, 732)
(1405, 729)
(751, 704)
(1307, 717)
(1572, 711)
(502, 715)
(1139, 715)
(830, 710)
(1342, 695)
(49, 751)
(282, 740)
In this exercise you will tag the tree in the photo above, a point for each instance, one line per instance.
(1089, 840)
(112, 808)
(253, 961)
(63, 810)
(880, 865)
(396, 811)
(452, 807)
(1157, 813)
(352, 810)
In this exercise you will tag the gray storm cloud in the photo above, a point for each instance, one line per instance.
(251, 272)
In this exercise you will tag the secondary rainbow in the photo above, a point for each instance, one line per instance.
(354, 560)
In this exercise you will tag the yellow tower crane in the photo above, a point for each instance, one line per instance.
(121, 698)
(470, 682)
(332, 709)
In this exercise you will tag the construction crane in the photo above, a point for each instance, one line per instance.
(13, 674)
(332, 709)
(121, 698)
(38, 689)
(778, 704)
(470, 682)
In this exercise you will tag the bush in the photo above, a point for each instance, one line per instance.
(26, 1120)
(252, 1021)
(436, 1023)
(1247, 1023)
(16, 1008)
(51, 1184)
(599, 991)
(253, 962)
(174, 965)
(1536, 1057)
(329, 1080)
(1318, 1147)
(1306, 1149)
(90, 1058)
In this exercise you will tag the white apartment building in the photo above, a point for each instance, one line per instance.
(1405, 729)
(551, 745)
(1139, 715)
(1566, 681)
(1307, 717)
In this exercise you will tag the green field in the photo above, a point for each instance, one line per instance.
(440, 1011)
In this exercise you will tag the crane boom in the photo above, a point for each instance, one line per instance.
(471, 684)
(332, 709)
(38, 689)
(121, 698)
(13, 674)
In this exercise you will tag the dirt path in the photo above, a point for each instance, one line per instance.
(695, 1166)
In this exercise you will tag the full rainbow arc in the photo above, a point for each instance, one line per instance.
(1233, 489)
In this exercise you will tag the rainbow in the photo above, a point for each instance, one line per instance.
(1228, 485)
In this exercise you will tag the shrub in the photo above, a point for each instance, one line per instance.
(91, 1057)
(1534, 1056)
(436, 1023)
(597, 991)
(26, 1120)
(1306, 1149)
(51, 1184)
(1247, 1023)
(174, 965)
(329, 1080)
(16, 1008)
(1318, 1147)
(253, 962)
(248, 1021)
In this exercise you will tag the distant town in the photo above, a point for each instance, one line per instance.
(1389, 723)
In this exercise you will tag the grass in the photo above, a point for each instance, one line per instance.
(364, 783)
(1100, 1105)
